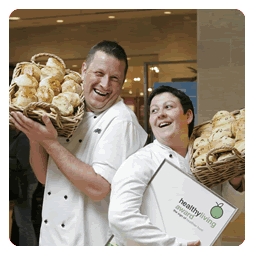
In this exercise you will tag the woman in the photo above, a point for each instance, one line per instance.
(172, 122)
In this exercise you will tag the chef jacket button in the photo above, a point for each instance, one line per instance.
(45, 221)
(80, 140)
(66, 197)
(170, 155)
(67, 140)
(63, 225)
(95, 117)
(49, 192)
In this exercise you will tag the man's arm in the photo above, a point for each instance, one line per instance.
(38, 161)
(44, 141)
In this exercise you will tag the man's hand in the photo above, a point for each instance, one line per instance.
(195, 243)
(237, 182)
(34, 130)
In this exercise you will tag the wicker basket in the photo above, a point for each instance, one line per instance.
(65, 125)
(214, 173)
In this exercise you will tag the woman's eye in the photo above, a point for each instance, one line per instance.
(153, 111)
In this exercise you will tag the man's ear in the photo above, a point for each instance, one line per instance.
(189, 115)
(83, 69)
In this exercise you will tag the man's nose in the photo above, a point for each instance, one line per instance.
(105, 81)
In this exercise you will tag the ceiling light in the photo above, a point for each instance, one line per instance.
(128, 58)
(59, 21)
(130, 92)
(111, 17)
(125, 80)
(150, 89)
(14, 18)
(167, 12)
(74, 66)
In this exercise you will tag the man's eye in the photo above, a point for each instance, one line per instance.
(168, 106)
(114, 79)
(98, 73)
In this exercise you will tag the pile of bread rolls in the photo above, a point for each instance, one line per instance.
(226, 130)
(49, 84)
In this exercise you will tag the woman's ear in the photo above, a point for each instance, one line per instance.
(190, 116)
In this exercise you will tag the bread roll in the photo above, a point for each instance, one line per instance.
(73, 98)
(26, 91)
(224, 156)
(224, 141)
(240, 146)
(238, 125)
(24, 98)
(205, 130)
(201, 160)
(52, 72)
(45, 94)
(52, 83)
(200, 141)
(62, 103)
(201, 150)
(73, 76)
(218, 133)
(26, 80)
(220, 114)
(71, 86)
(54, 63)
(31, 69)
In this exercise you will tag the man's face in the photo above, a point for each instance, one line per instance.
(167, 120)
(102, 81)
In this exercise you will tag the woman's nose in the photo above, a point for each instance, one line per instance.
(161, 114)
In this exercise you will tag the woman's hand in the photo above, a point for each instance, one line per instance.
(34, 130)
(195, 243)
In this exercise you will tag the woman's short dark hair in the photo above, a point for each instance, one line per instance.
(111, 48)
(184, 100)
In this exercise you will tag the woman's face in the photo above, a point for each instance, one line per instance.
(167, 120)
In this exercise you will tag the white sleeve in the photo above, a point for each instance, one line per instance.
(119, 140)
(126, 221)
(234, 197)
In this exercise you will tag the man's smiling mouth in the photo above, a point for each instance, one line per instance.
(164, 124)
(100, 93)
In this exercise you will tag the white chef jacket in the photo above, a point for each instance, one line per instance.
(128, 224)
(103, 141)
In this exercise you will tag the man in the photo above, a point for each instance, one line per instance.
(78, 173)
(172, 122)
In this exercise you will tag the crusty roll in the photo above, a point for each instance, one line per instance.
(73, 76)
(73, 98)
(52, 83)
(205, 130)
(224, 156)
(31, 69)
(54, 63)
(63, 104)
(200, 141)
(218, 133)
(238, 126)
(201, 150)
(201, 159)
(26, 80)
(221, 118)
(52, 72)
(224, 141)
(240, 146)
(26, 91)
(24, 97)
(44, 94)
(71, 86)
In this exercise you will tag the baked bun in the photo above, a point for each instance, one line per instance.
(31, 69)
(201, 150)
(71, 86)
(73, 98)
(54, 63)
(26, 91)
(220, 114)
(73, 76)
(26, 80)
(224, 141)
(63, 104)
(44, 94)
(218, 133)
(224, 156)
(238, 128)
(201, 160)
(200, 141)
(52, 72)
(52, 83)
(25, 96)
(205, 130)
(240, 146)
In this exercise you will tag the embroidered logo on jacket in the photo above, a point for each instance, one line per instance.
(97, 130)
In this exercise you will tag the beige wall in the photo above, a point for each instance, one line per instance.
(220, 61)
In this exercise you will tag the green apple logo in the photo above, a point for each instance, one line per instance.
(217, 211)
